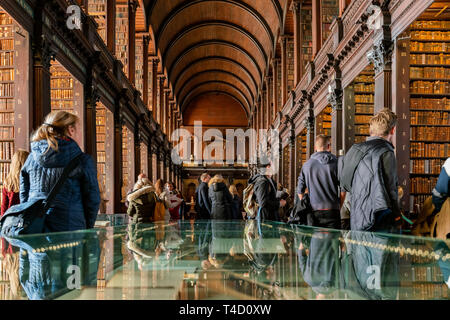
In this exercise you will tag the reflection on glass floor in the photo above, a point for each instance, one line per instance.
(223, 260)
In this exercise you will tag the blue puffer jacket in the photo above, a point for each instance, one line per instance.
(76, 205)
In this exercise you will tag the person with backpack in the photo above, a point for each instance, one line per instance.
(263, 191)
(76, 205)
(221, 199)
(369, 173)
(319, 176)
(202, 201)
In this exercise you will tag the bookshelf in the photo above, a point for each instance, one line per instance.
(139, 80)
(300, 151)
(306, 34)
(127, 161)
(286, 166)
(429, 105)
(144, 159)
(62, 89)
(323, 122)
(364, 91)
(7, 102)
(122, 34)
(330, 10)
(97, 9)
(290, 64)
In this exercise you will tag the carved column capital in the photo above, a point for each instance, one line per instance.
(381, 55)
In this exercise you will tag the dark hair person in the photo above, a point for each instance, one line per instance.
(76, 206)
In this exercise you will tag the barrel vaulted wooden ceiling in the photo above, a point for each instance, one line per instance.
(221, 46)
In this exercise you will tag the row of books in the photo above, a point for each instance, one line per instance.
(364, 98)
(364, 78)
(430, 46)
(430, 103)
(6, 32)
(6, 44)
(362, 129)
(7, 118)
(7, 74)
(430, 118)
(430, 87)
(430, 133)
(61, 105)
(5, 19)
(101, 140)
(430, 35)
(426, 273)
(430, 166)
(430, 72)
(6, 133)
(4, 170)
(6, 89)
(431, 24)
(62, 82)
(125, 160)
(7, 58)
(61, 93)
(364, 87)
(423, 185)
(364, 108)
(430, 291)
(6, 150)
(360, 119)
(423, 58)
(416, 201)
(421, 149)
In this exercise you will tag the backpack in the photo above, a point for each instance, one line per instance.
(301, 210)
(250, 205)
(350, 162)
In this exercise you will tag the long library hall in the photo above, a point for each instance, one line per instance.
(225, 149)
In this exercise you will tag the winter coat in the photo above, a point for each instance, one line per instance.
(141, 205)
(76, 206)
(221, 201)
(375, 182)
(203, 203)
(237, 207)
(319, 175)
(266, 197)
(442, 189)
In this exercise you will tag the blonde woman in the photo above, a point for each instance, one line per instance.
(76, 206)
(221, 199)
(10, 192)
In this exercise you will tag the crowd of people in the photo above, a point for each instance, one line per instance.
(358, 191)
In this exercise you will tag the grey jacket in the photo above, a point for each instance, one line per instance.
(375, 183)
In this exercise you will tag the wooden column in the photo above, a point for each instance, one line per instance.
(292, 162)
(145, 43)
(91, 98)
(150, 159)
(154, 106)
(269, 108)
(296, 6)
(137, 151)
(381, 57)
(118, 123)
(132, 5)
(161, 100)
(166, 111)
(283, 71)
(111, 25)
(42, 54)
(276, 107)
(335, 99)
(348, 117)
(316, 27)
(343, 5)
(401, 106)
(309, 124)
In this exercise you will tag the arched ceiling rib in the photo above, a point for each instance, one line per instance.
(215, 44)
(208, 64)
(216, 85)
(216, 74)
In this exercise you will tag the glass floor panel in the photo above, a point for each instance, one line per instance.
(222, 260)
